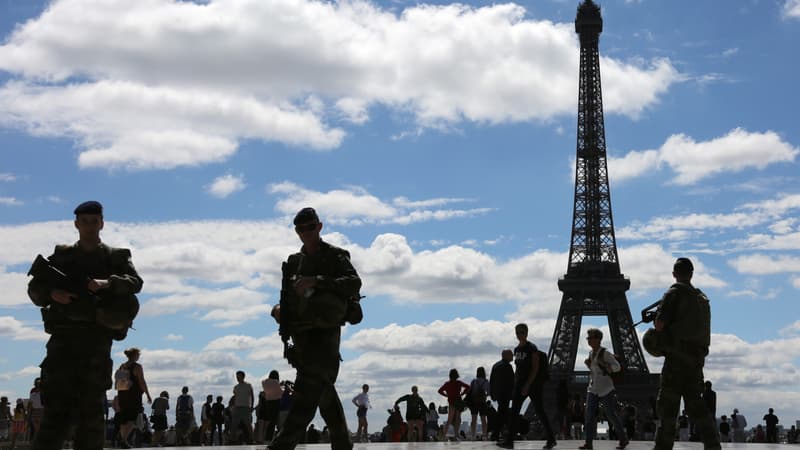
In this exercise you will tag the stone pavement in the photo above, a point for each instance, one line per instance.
(481, 445)
(523, 445)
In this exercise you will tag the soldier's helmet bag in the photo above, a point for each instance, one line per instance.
(651, 343)
(354, 314)
(328, 309)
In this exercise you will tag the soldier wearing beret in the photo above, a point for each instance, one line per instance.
(684, 322)
(317, 284)
(82, 322)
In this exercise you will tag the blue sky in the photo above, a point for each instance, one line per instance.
(437, 142)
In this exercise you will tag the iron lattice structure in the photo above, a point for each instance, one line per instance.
(593, 284)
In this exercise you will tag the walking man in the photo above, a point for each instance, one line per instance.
(316, 287)
(501, 388)
(600, 391)
(528, 383)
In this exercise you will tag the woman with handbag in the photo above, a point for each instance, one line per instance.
(454, 390)
(130, 385)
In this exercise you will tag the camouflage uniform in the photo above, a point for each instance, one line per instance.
(315, 353)
(76, 372)
(686, 314)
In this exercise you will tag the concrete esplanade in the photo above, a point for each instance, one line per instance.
(483, 445)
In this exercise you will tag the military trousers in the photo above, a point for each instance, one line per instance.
(75, 376)
(682, 378)
(317, 369)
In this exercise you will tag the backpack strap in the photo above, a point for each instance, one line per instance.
(601, 362)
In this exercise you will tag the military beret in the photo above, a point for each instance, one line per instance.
(90, 207)
(306, 215)
(683, 265)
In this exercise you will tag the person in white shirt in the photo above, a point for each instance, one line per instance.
(601, 364)
(739, 425)
(243, 400)
(362, 403)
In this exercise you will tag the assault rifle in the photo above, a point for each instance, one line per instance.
(649, 313)
(106, 308)
(287, 312)
(55, 278)
(83, 308)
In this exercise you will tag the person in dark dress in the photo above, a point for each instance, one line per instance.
(130, 400)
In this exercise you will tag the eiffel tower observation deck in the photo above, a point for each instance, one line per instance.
(593, 284)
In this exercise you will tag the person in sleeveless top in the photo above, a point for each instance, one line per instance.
(130, 400)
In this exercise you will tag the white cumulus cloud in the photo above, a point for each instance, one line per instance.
(759, 264)
(693, 161)
(743, 217)
(791, 9)
(18, 331)
(791, 330)
(354, 205)
(156, 84)
(226, 185)
(14, 289)
(10, 201)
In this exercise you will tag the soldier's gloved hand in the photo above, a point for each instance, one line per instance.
(62, 296)
(96, 285)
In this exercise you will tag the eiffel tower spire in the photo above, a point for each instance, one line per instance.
(593, 249)
(593, 284)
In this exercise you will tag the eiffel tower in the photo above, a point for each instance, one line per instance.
(594, 284)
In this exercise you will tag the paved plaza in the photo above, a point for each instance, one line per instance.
(524, 445)
(480, 445)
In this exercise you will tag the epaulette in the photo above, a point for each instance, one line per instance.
(678, 286)
(336, 250)
(63, 248)
(118, 253)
